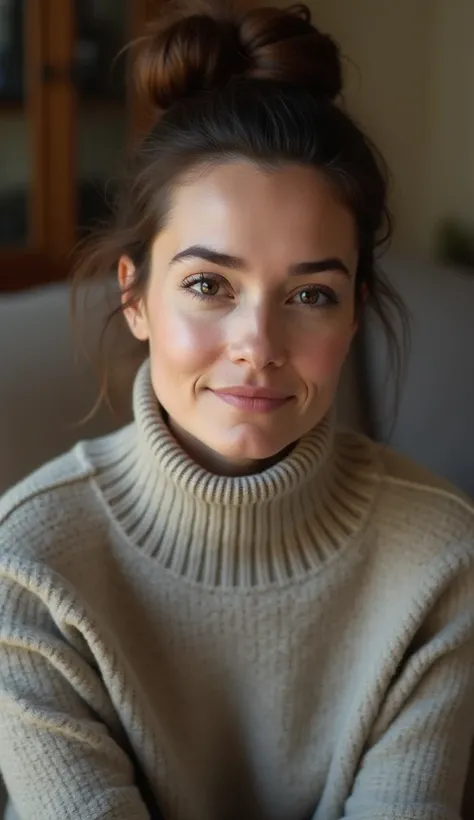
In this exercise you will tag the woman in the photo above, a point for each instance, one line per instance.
(228, 609)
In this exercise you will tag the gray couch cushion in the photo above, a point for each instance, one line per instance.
(435, 424)
(45, 388)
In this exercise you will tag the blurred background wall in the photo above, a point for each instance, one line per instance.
(410, 82)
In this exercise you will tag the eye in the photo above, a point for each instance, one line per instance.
(205, 286)
(316, 297)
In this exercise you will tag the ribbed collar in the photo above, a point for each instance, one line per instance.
(256, 530)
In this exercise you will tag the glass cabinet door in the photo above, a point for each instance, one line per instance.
(15, 128)
(103, 123)
(66, 123)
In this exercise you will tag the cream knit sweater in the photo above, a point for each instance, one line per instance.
(292, 645)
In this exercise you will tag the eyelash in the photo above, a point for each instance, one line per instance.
(189, 283)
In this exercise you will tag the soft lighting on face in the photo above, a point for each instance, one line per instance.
(249, 311)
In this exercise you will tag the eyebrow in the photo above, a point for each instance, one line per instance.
(236, 263)
(331, 264)
(209, 255)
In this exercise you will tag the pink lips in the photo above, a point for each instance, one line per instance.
(252, 399)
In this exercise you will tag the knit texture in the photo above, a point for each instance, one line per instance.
(293, 645)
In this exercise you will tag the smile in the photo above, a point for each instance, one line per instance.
(252, 400)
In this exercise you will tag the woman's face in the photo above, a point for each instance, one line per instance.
(249, 310)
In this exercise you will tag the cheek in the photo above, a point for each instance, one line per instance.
(183, 344)
(324, 354)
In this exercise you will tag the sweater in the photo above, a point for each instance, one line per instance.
(290, 645)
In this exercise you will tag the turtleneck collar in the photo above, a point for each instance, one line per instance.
(254, 530)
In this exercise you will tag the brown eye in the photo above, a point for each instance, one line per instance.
(310, 297)
(315, 297)
(208, 287)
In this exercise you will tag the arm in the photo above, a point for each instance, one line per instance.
(415, 765)
(57, 757)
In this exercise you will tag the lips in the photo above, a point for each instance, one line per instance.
(253, 399)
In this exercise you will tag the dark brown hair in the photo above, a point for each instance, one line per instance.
(261, 85)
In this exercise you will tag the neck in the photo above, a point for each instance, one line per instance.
(217, 464)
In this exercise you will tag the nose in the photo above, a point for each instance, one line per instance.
(257, 339)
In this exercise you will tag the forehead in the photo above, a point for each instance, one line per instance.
(290, 212)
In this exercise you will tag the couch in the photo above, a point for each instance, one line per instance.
(45, 388)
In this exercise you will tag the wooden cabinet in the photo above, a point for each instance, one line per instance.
(67, 119)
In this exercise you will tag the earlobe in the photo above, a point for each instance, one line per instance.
(133, 309)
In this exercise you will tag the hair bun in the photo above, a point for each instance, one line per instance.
(197, 46)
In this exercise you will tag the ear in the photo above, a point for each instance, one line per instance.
(133, 310)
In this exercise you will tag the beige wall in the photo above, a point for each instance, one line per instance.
(450, 174)
(409, 72)
(387, 48)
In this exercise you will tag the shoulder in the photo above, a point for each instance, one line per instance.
(424, 497)
(424, 509)
(51, 480)
(56, 506)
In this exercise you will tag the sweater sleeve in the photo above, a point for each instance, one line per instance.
(57, 757)
(415, 765)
